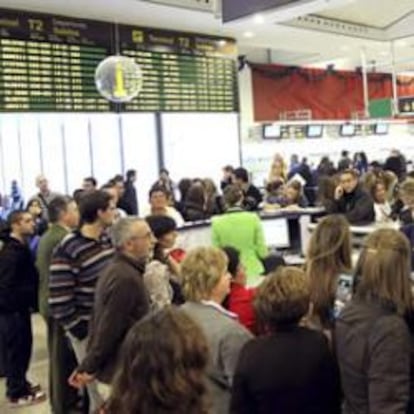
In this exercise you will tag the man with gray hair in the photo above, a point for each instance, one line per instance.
(120, 300)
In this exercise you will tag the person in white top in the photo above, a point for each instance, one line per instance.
(158, 198)
(382, 206)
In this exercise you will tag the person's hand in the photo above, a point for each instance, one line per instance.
(80, 379)
(339, 191)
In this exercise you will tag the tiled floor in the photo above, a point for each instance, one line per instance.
(38, 371)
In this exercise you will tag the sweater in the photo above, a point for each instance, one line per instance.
(226, 338)
(121, 300)
(289, 372)
(76, 265)
(47, 244)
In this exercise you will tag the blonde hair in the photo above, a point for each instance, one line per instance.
(329, 254)
(201, 271)
(383, 269)
(283, 298)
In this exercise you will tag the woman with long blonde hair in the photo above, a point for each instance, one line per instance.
(329, 256)
(372, 337)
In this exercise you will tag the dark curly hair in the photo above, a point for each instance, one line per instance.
(162, 368)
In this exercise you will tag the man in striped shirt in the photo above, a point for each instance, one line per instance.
(76, 266)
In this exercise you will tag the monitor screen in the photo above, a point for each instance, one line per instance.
(347, 130)
(271, 131)
(315, 131)
(276, 232)
(381, 129)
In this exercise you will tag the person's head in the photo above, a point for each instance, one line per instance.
(131, 176)
(158, 198)
(348, 180)
(282, 299)
(205, 275)
(379, 192)
(34, 208)
(232, 195)
(277, 169)
(164, 229)
(227, 172)
(89, 184)
(329, 254)
(294, 159)
(97, 207)
(407, 192)
(326, 190)
(183, 187)
(293, 192)
(162, 366)
(196, 196)
(111, 189)
(42, 184)
(210, 187)
(132, 236)
(21, 223)
(234, 266)
(64, 210)
(383, 269)
(344, 154)
(164, 174)
(241, 176)
(119, 186)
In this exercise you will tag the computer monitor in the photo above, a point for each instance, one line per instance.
(381, 129)
(314, 131)
(347, 130)
(271, 131)
(276, 231)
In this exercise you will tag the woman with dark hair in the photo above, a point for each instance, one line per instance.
(290, 369)
(214, 202)
(162, 273)
(195, 203)
(162, 368)
(328, 257)
(372, 338)
(35, 209)
(294, 196)
(183, 187)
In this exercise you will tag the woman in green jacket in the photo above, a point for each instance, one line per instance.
(242, 230)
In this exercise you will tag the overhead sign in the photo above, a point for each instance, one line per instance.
(236, 9)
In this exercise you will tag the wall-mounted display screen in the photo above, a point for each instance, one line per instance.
(315, 131)
(381, 129)
(271, 131)
(347, 130)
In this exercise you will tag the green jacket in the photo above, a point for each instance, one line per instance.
(242, 230)
(47, 244)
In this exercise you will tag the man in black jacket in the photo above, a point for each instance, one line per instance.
(18, 296)
(352, 201)
(128, 202)
(252, 195)
(121, 299)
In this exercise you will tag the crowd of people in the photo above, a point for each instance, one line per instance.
(135, 324)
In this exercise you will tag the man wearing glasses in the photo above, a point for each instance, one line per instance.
(121, 300)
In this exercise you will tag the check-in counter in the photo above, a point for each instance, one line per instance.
(283, 229)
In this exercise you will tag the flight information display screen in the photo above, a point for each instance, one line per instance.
(182, 72)
(47, 63)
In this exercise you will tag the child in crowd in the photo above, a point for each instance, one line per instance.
(382, 206)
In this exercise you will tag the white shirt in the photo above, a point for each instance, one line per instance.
(382, 212)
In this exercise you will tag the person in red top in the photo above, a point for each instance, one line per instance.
(240, 299)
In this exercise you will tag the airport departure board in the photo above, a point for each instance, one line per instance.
(48, 63)
(182, 72)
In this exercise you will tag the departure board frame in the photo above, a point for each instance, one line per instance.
(47, 62)
(183, 72)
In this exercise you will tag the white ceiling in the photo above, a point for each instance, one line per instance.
(271, 42)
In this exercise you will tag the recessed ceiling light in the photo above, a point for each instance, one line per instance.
(258, 19)
(248, 35)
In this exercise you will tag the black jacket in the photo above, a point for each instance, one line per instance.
(373, 350)
(128, 201)
(357, 207)
(18, 277)
(252, 198)
(289, 372)
(120, 300)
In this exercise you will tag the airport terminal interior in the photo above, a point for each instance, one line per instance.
(206, 206)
